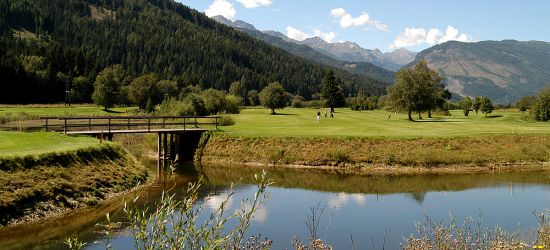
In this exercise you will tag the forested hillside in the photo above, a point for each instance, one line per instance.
(47, 43)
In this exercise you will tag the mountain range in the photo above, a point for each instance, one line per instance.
(342, 51)
(503, 70)
(42, 49)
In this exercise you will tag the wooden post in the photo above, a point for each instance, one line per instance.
(90, 124)
(164, 146)
(177, 145)
(46, 123)
(149, 124)
(159, 141)
(172, 147)
(65, 126)
(109, 124)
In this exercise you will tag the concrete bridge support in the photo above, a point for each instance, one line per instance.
(180, 145)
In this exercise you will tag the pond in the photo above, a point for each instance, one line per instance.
(376, 210)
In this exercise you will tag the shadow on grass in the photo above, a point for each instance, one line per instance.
(282, 114)
(113, 111)
(493, 116)
(437, 121)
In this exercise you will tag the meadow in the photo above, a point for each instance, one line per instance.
(301, 122)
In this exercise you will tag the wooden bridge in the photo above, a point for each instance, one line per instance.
(177, 135)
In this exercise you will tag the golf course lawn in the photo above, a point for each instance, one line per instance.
(15, 144)
(301, 122)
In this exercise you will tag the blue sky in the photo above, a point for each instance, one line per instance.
(390, 24)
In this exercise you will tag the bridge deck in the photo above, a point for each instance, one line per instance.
(130, 124)
(135, 131)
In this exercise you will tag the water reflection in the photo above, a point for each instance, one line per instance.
(363, 205)
(339, 199)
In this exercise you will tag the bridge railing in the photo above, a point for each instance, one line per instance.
(110, 124)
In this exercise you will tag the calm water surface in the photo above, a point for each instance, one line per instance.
(370, 208)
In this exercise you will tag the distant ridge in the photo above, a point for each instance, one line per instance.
(292, 46)
(503, 70)
(345, 51)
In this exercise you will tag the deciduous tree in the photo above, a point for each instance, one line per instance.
(273, 96)
(143, 89)
(416, 89)
(466, 105)
(541, 107)
(107, 86)
(486, 106)
(476, 104)
(525, 102)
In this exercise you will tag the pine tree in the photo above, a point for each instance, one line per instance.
(331, 92)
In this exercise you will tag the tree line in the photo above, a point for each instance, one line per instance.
(538, 106)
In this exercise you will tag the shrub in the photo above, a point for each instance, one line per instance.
(232, 104)
(297, 102)
(226, 120)
(253, 98)
(173, 107)
(214, 101)
(339, 156)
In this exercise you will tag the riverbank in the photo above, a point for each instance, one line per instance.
(60, 176)
(384, 155)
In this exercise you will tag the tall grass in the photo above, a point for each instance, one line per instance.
(173, 223)
(503, 150)
(20, 116)
(472, 234)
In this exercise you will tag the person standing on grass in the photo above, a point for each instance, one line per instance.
(318, 116)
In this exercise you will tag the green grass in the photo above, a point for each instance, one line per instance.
(60, 110)
(347, 123)
(17, 144)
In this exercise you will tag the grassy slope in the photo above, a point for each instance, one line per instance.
(13, 144)
(347, 123)
(43, 173)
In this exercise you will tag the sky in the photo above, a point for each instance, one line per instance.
(390, 24)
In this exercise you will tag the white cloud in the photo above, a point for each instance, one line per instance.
(328, 37)
(296, 34)
(338, 12)
(419, 36)
(299, 35)
(339, 200)
(255, 3)
(346, 20)
(222, 8)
